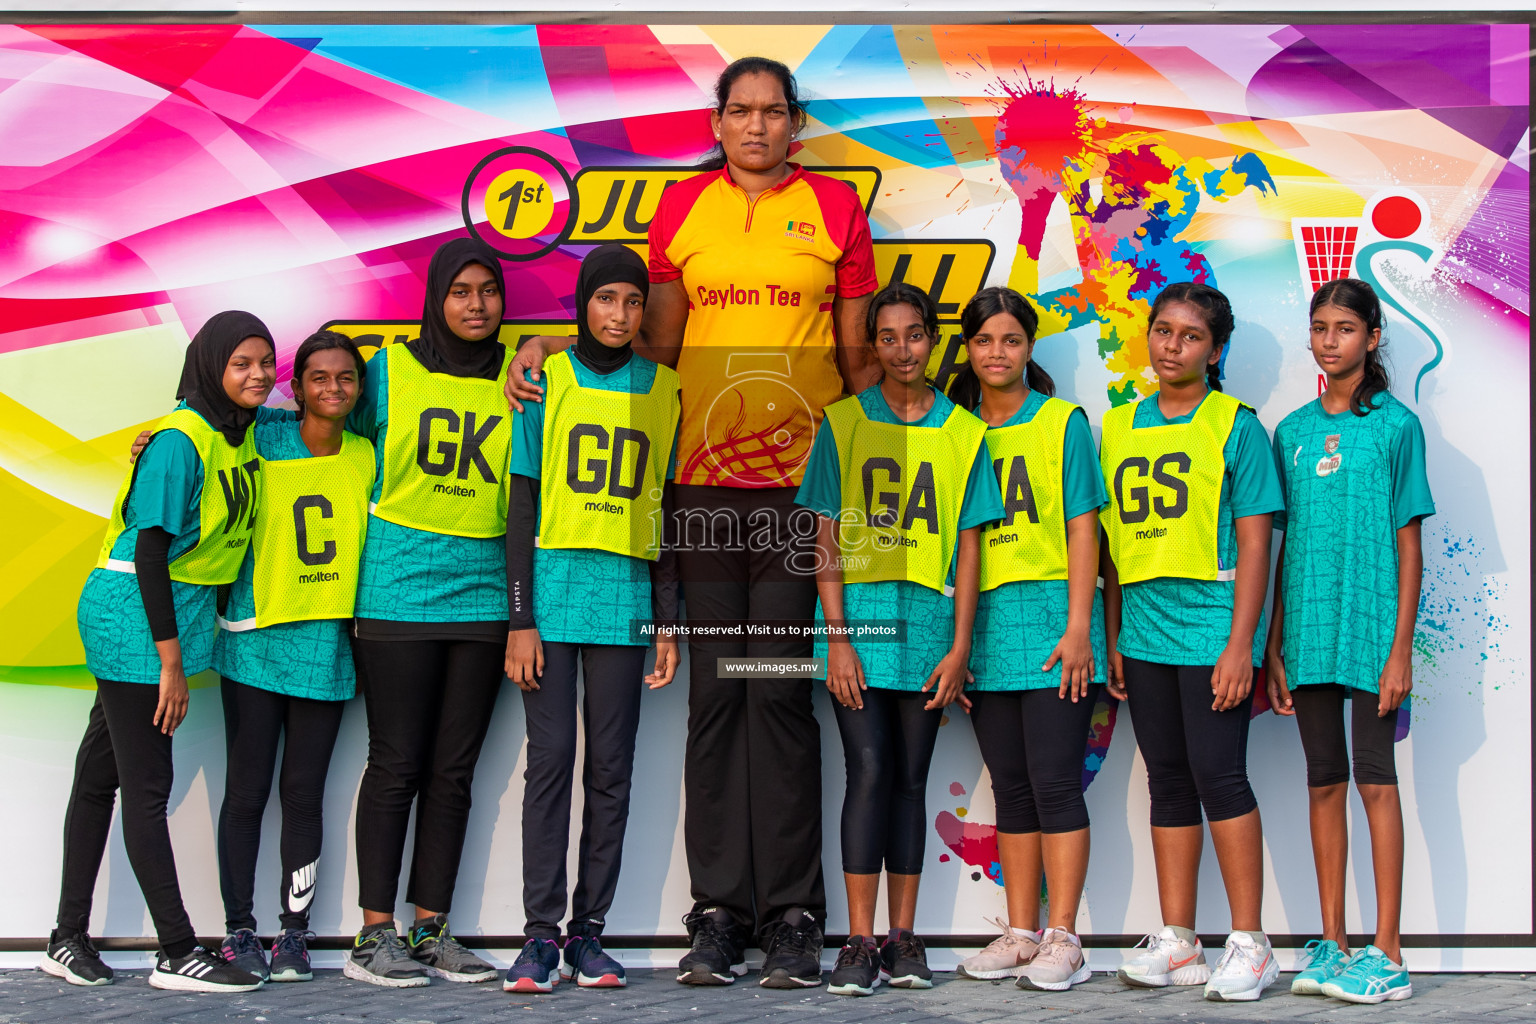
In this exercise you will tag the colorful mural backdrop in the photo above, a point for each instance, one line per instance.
(151, 175)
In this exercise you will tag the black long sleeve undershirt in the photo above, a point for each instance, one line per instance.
(151, 565)
(522, 515)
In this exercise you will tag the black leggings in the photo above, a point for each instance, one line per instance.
(887, 746)
(429, 705)
(1195, 757)
(123, 750)
(610, 717)
(1033, 743)
(254, 721)
(1320, 719)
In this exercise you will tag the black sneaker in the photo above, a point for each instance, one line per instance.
(904, 960)
(290, 956)
(202, 970)
(74, 958)
(792, 952)
(716, 957)
(858, 969)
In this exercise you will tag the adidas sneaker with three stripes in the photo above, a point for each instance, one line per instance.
(201, 970)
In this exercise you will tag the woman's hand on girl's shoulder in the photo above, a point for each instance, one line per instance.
(139, 443)
(949, 677)
(525, 658)
(845, 675)
(527, 359)
(667, 658)
(1395, 684)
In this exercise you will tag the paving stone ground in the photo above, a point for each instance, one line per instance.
(653, 997)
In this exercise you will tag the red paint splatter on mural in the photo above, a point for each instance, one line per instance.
(973, 843)
(1042, 137)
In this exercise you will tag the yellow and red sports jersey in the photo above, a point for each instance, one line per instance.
(758, 363)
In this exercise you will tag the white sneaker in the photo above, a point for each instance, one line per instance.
(1058, 965)
(1005, 956)
(1167, 960)
(1246, 969)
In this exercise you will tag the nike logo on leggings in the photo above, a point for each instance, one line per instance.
(301, 888)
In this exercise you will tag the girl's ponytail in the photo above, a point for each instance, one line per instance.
(1213, 376)
(1038, 380)
(965, 387)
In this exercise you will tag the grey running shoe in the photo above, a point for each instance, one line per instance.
(243, 949)
(380, 958)
(435, 948)
(1057, 966)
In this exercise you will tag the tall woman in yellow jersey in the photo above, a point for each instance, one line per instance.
(180, 527)
(431, 610)
(1192, 491)
(1038, 653)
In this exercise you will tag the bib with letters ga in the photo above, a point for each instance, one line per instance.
(1165, 492)
(309, 535)
(1030, 543)
(604, 462)
(446, 450)
(902, 489)
(227, 512)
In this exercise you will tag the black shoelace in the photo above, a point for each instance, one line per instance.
(788, 940)
(911, 948)
(707, 934)
(294, 943)
(855, 956)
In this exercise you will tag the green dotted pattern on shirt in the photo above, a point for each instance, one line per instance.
(410, 575)
(310, 659)
(569, 582)
(167, 492)
(1351, 482)
(929, 616)
(1019, 624)
(1188, 622)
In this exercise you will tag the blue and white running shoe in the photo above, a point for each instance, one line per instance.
(536, 969)
(1370, 977)
(1325, 962)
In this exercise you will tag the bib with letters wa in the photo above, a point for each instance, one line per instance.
(902, 489)
(309, 535)
(1165, 492)
(1030, 543)
(446, 451)
(227, 512)
(605, 462)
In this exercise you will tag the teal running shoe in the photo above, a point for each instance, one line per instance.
(1370, 977)
(1325, 962)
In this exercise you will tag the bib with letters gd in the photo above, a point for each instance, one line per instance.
(227, 512)
(1030, 543)
(309, 535)
(446, 450)
(902, 489)
(605, 462)
(1165, 492)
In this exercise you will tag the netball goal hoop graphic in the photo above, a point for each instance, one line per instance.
(1326, 247)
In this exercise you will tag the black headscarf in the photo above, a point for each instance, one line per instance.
(607, 264)
(438, 348)
(202, 374)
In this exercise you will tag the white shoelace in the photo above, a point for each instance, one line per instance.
(1248, 954)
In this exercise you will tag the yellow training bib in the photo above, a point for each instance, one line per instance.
(227, 511)
(309, 536)
(446, 451)
(1030, 543)
(902, 489)
(605, 462)
(1165, 492)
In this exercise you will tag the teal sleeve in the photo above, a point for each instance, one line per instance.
(672, 459)
(267, 414)
(983, 501)
(167, 485)
(528, 439)
(1411, 498)
(364, 418)
(821, 489)
(1279, 454)
(1255, 484)
(1082, 479)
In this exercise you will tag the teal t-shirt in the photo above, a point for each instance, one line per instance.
(310, 659)
(1351, 482)
(410, 575)
(1019, 624)
(1188, 622)
(569, 582)
(929, 616)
